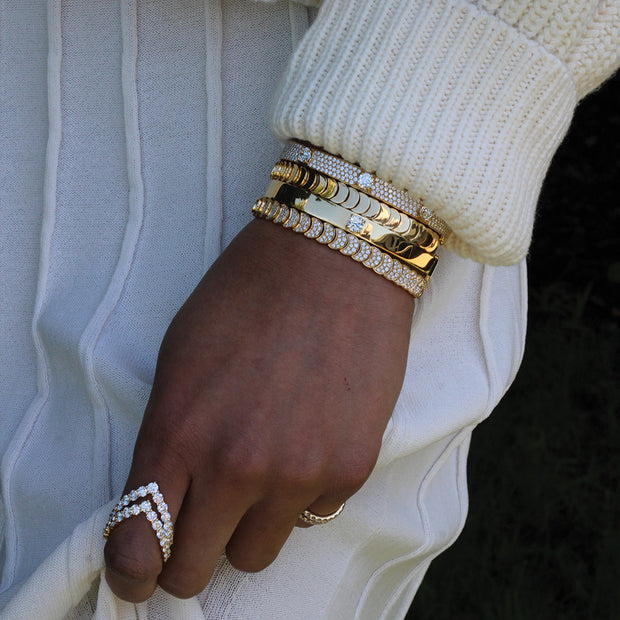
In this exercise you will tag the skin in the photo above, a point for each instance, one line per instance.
(274, 385)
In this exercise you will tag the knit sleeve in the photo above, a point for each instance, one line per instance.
(461, 103)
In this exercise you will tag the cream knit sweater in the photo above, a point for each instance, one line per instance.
(462, 103)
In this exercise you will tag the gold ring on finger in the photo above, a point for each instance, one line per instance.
(313, 519)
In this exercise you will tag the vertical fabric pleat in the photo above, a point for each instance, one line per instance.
(214, 95)
(298, 18)
(49, 217)
(23, 140)
(88, 342)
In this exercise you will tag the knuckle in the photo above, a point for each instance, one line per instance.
(245, 464)
(354, 472)
(302, 474)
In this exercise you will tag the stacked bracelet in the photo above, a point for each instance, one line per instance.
(354, 176)
(362, 216)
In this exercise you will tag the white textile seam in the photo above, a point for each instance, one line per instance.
(113, 294)
(13, 452)
(214, 217)
(456, 443)
(497, 384)
(298, 18)
(488, 355)
(460, 446)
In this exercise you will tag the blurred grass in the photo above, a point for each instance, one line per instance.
(542, 540)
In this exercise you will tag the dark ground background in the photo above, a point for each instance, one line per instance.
(542, 540)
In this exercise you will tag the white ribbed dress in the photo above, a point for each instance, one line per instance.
(134, 137)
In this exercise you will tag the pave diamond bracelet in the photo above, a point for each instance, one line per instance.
(345, 242)
(354, 176)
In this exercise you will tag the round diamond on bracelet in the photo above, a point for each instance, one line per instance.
(364, 180)
(356, 224)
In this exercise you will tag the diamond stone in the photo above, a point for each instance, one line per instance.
(356, 224)
(364, 180)
(305, 155)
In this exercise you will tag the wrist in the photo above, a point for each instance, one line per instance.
(314, 270)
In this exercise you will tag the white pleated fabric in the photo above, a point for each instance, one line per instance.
(133, 140)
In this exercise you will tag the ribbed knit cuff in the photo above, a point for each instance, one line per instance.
(441, 99)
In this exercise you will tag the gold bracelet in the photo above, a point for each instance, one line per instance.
(354, 176)
(377, 235)
(356, 201)
(346, 243)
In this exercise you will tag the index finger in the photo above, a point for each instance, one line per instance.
(137, 543)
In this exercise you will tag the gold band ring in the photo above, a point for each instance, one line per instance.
(312, 519)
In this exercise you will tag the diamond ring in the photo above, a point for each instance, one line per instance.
(155, 509)
(313, 519)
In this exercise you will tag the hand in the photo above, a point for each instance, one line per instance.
(273, 388)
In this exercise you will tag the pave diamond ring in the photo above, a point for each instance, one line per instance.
(155, 509)
(309, 517)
